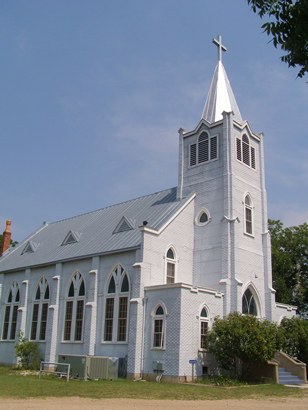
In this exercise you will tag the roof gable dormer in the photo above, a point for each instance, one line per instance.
(71, 237)
(30, 247)
(124, 225)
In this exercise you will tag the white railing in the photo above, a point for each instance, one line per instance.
(58, 369)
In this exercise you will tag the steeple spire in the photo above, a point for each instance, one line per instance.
(220, 97)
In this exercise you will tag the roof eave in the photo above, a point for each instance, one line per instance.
(82, 257)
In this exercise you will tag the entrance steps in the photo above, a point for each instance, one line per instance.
(291, 371)
(286, 377)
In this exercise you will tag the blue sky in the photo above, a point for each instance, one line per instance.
(93, 94)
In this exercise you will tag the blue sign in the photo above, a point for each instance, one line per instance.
(192, 361)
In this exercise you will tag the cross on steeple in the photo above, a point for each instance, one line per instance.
(220, 46)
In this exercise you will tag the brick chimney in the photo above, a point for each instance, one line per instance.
(6, 238)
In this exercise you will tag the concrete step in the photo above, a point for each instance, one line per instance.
(286, 377)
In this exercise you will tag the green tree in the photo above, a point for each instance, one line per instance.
(242, 339)
(295, 337)
(290, 263)
(288, 26)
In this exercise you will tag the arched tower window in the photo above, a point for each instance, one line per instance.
(74, 313)
(248, 215)
(116, 307)
(159, 327)
(245, 152)
(40, 311)
(204, 324)
(206, 149)
(249, 306)
(11, 313)
(170, 266)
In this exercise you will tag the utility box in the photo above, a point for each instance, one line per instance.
(158, 366)
(91, 367)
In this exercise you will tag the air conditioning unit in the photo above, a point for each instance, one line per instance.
(102, 367)
(78, 365)
(91, 367)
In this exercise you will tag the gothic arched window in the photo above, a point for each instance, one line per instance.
(159, 327)
(204, 324)
(249, 306)
(11, 313)
(116, 307)
(206, 149)
(245, 152)
(74, 313)
(170, 266)
(40, 311)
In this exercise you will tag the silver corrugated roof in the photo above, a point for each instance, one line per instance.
(94, 231)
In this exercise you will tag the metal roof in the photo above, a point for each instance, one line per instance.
(95, 231)
(220, 97)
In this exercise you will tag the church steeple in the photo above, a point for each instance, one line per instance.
(220, 97)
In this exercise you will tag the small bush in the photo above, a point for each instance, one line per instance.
(27, 353)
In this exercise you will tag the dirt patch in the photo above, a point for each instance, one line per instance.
(75, 403)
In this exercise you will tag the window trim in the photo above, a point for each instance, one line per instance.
(199, 214)
(41, 303)
(9, 326)
(118, 275)
(170, 262)
(71, 323)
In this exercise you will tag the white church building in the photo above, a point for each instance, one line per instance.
(143, 280)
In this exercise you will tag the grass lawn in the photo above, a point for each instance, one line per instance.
(15, 385)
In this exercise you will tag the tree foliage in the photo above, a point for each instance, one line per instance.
(290, 263)
(242, 339)
(27, 353)
(295, 338)
(288, 26)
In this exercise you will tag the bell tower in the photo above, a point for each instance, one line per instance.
(222, 161)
